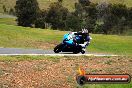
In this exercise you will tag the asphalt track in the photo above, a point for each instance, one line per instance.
(20, 51)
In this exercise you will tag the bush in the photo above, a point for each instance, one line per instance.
(56, 15)
(12, 12)
(73, 23)
(26, 12)
(41, 19)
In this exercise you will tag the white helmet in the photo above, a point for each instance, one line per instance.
(84, 30)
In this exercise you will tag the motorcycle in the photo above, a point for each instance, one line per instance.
(64, 47)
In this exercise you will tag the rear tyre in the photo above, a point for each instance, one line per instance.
(58, 48)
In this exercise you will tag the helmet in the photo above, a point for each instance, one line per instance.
(84, 30)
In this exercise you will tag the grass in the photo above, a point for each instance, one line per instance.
(44, 4)
(107, 86)
(28, 58)
(14, 36)
(21, 37)
(111, 43)
(9, 21)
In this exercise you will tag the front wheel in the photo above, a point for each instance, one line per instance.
(58, 48)
(83, 52)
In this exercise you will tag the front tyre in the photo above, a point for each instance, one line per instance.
(58, 48)
(83, 52)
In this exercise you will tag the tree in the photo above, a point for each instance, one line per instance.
(91, 16)
(41, 19)
(107, 19)
(56, 15)
(121, 13)
(90, 24)
(79, 10)
(11, 11)
(121, 25)
(73, 23)
(103, 10)
(129, 18)
(91, 10)
(4, 8)
(109, 22)
(84, 2)
(119, 10)
(26, 12)
(60, 1)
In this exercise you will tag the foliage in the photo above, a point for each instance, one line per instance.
(26, 12)
(84, 2)
(41, 19)
(73, 23)
(97, 18)
(56, 15)
(114, 18)
(4, 9)
(12, 12)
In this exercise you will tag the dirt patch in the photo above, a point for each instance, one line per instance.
(49, 73)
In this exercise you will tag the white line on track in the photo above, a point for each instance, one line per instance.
(101, 55)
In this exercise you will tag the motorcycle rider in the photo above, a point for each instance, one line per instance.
(86, 39)
(70, 38)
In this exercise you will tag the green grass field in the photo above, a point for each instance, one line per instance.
(66, 3)
(9, 21)
(108, 86)
(14, 36)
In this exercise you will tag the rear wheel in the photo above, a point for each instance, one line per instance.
(58, 48)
